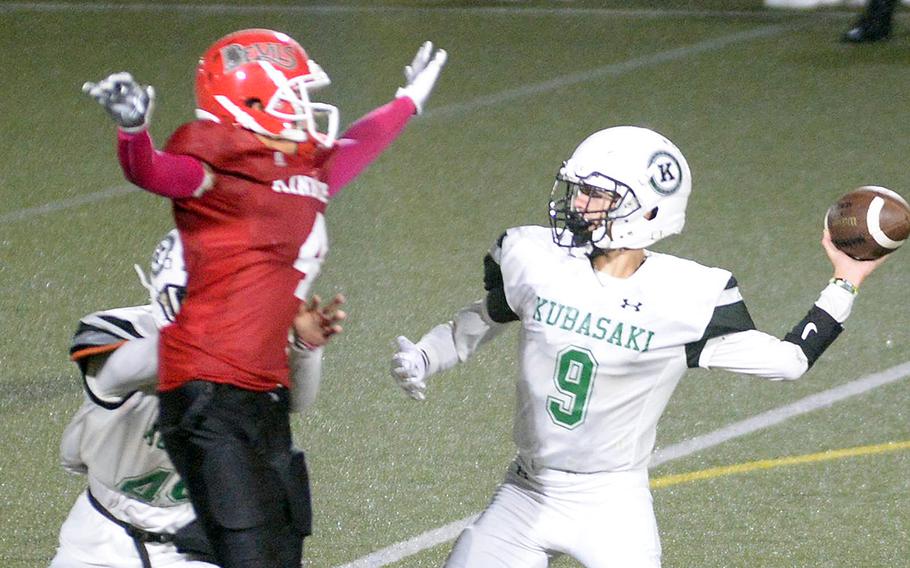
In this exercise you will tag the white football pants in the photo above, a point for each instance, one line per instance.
(89, 540)
(603, 520)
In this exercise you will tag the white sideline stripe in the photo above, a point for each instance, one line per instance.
(612, 70)
(772, 417)
(54, 206)
(824, 399)
(419, 543)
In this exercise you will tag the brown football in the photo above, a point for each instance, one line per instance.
(869, 222)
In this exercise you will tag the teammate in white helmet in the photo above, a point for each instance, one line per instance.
(136, 511)
(608, 328)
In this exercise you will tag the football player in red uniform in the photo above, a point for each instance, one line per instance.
(250, 181)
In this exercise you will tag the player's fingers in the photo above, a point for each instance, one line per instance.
(333, 308)
(329, 328)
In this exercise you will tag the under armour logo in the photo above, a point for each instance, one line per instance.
(810, 328)
(627, 304)
(279, 160)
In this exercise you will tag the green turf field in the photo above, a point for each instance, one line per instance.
(776, 118)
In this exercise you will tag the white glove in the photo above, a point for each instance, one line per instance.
(128, 103)
(409, 368)
(420, 76)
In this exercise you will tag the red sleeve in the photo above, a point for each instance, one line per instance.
(170, 175)
(364, 140)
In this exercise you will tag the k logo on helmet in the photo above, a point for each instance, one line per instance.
(666, 175)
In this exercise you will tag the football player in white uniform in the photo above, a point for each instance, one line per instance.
(136, 511)
(608, 328)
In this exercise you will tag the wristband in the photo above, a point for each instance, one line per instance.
(303, 345)
(814, 334)
(845, 284)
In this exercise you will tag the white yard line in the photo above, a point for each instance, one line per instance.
(824, 399)
(611, 70)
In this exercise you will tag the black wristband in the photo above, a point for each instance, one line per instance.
(815, 333)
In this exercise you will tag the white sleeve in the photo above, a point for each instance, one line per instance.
(756, 353)
(306, 376)
(836, 301)
(71, 443)
(454, 342)
(132, 366)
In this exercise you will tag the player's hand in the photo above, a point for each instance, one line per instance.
(420, 76)
(409, 368)
(847, 267)
(129, 103)
(315, 324)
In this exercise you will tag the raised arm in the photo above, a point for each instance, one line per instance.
(369, 136)
(130, 106)
(757, 353)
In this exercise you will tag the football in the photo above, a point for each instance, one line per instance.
(869, 222)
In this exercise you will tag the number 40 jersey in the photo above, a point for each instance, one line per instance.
(600, 356)
(113, 438)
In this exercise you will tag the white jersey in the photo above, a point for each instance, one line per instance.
(599, 356)
(114, 437)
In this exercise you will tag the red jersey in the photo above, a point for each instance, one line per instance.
(253, 244)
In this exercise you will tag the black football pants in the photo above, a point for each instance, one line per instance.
(248, 485)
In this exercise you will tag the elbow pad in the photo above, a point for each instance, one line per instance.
(496, 303)
(814, 333)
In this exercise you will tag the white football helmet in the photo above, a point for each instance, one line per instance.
(647, 177)
(167, 279)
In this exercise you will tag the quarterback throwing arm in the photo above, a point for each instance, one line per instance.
(730, 340)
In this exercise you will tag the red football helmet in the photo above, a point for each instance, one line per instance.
(261, 80)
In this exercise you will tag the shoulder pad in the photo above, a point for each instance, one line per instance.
(533, 235)
(111, 327)
(205, 140)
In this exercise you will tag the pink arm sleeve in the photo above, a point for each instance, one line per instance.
(170, 175)
(364, 140)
